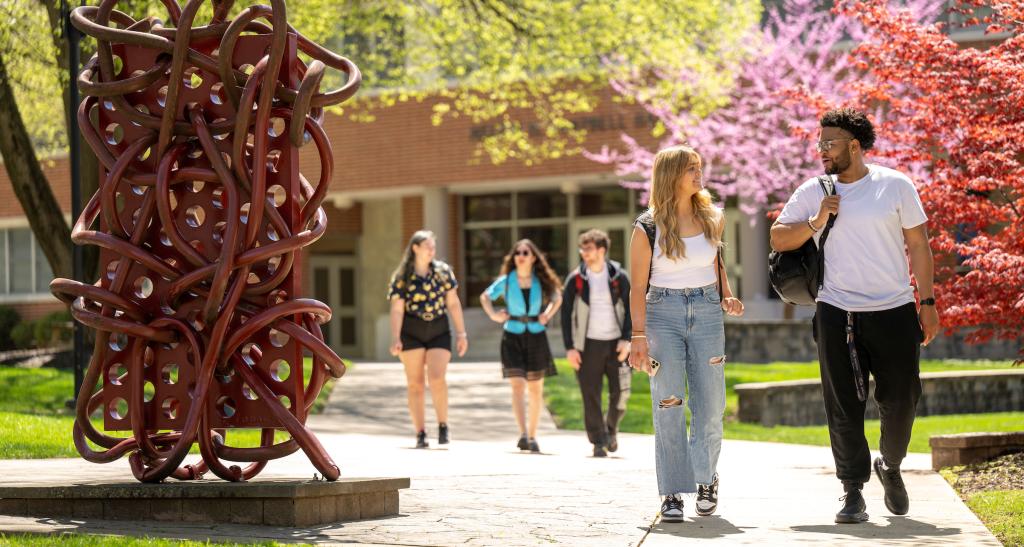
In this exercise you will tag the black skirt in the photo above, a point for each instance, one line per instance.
(526, 355)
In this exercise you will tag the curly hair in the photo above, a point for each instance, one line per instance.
(549, 281)
(855, 122)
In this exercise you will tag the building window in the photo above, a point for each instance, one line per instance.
(24, 269)
(493, 222)
(608, 200)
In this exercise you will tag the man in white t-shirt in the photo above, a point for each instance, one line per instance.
(596, 329)
(867, 319)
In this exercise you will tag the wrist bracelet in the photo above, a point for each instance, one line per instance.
(461, 335)
(638, 336)
(811, 226)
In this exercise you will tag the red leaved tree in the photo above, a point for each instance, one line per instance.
(959, 110)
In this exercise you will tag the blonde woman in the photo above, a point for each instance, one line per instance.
(423, 294)
(680, 290)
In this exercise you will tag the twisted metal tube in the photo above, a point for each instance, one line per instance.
(202, 214)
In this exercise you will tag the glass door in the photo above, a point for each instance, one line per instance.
(334, 283)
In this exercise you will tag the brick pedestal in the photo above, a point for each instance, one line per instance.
(268, 502)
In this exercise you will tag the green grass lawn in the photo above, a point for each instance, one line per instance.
(84, 540)
(1002, 511)
(563, 399)
(35, 423)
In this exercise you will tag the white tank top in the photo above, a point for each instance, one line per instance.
(697, 269)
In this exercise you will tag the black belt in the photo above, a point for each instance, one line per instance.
(524, 318)
(427, 316)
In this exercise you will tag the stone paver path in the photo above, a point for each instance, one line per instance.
(481, 490)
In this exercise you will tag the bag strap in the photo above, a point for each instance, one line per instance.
(646, 221)
(828, 186)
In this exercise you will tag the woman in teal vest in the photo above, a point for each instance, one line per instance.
(528, 285)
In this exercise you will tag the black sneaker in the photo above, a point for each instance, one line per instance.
(672, 509)
(524, 443)
(707, 497)
(599, 451)
(896, 499)
(442, 434)
(854, 509)
(421, 439)
(534, 447)
(613, 442)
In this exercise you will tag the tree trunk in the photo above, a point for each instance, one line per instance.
(30, 184)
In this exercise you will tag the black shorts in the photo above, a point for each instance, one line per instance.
(417, 333)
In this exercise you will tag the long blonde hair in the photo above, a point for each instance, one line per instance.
(669, 166)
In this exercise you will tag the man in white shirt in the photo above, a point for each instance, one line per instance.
(596, 329)
(866, 320)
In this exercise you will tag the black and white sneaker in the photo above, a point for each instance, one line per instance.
(672, 508)
(707, 497)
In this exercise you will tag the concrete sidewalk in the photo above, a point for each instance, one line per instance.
(481, 490)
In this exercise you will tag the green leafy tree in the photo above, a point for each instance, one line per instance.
(504, 63)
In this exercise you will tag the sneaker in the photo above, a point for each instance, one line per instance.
(707, 497)
(672, 509)
(421, 439)
(896, 499)
(613, 442)
(442, 434)
(854, 508)
(599, 451)
(534, 447)
(524, 443)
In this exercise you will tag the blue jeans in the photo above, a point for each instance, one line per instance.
(686, 334)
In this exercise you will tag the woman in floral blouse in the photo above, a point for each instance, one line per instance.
(422, 294)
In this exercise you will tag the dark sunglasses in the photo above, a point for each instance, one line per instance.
(523, 253)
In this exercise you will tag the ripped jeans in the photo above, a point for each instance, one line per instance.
(685, 332)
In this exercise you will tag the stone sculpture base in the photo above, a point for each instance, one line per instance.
(275, 502)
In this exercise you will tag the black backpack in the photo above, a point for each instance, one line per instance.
(646, 221)
(797, 275)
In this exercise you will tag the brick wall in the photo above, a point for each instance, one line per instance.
(412, 217)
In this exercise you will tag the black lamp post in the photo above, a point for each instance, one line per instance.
(74, 158)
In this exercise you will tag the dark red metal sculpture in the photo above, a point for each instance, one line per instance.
(202, 215)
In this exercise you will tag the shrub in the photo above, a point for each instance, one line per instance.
(23, 335)
(53, 329)
(9, 318)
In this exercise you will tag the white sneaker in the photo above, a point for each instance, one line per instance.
(672, 508)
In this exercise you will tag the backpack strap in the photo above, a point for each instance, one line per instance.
(828, 186)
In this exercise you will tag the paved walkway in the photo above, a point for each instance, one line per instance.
(481, 490)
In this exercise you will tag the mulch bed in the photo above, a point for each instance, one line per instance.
(1002, 473)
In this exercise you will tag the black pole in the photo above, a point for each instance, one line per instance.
(74, 158)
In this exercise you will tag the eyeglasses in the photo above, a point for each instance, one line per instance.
(523, 253)
(825, 146)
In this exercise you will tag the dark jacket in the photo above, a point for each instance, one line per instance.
(576, 304)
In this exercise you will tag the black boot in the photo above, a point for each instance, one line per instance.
(442, 434)
(896, 499)
(421, 439)
(854, 509)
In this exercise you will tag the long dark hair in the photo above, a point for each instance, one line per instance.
(549, 281)
(409, 256)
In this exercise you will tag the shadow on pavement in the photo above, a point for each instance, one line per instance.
(700, 528)
(896, 528)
